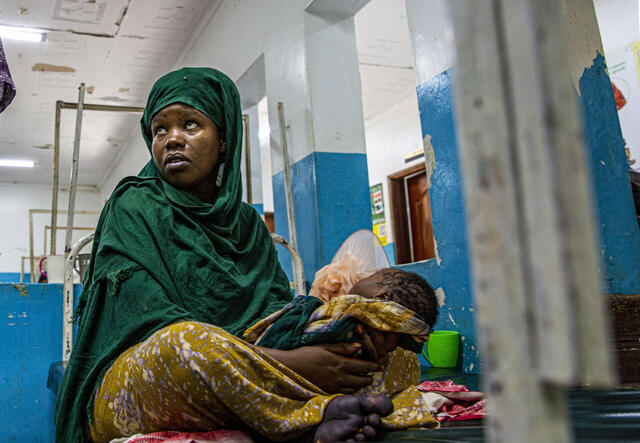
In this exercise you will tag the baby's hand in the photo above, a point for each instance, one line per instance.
(375, 344)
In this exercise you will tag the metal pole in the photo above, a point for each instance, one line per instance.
(93, 107)
(67, 319)
(74, 171)
(56, 174)
(56, 152)
(295, 258)
(247, 157)
(31, 265)
(67, 325)
(298, 271)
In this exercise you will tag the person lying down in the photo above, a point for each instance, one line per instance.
(387, 317)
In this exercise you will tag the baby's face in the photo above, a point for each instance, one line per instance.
(375, 344)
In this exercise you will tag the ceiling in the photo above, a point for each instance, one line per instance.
(118, 48)
(385, 56)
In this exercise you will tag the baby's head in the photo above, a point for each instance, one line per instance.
(405, 288)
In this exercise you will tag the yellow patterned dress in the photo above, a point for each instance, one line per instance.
(195, 376)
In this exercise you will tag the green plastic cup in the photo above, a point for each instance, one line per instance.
(441, 350)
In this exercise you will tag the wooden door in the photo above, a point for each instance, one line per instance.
(268, 220)
(420, 224)
(411, 215)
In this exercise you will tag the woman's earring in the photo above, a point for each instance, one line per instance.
(220, 175)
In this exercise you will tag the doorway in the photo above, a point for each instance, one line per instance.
(411, 215)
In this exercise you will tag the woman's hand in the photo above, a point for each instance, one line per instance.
(331, 367)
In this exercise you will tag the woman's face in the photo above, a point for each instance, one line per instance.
(186, 147)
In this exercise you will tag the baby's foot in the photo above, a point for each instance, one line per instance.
(351, 417)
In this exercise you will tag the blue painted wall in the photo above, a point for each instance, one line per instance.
(12, 277)
(390, 249)
(259, 207)
(451, 273)
(331, 201)
(328, 209)
(31, 339)
(619, 233)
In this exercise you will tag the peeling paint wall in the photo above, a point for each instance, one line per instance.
(31, 339)
(619, 233)
(449, 272)
(614, 210)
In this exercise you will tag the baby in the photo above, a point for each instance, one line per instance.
(404, 288)
(387, 309)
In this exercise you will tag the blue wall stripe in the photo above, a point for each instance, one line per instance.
(305, 210)
(331, 201)
(13, 277)
(390, 249)
(619, 233)
(452, 274)
(30, 339)
(258, 207)
(344, 199)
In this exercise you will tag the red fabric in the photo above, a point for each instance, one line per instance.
(223, 436)
(461, 403)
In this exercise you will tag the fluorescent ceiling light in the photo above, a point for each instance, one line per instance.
(16, 163)
(24, 34)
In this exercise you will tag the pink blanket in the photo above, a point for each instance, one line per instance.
(449, 401)
(222, 436)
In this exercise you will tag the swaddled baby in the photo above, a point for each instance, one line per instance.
(406, 289)
(390, 313)
(388, 309)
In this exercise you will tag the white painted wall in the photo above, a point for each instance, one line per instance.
(619, 23)
(389, 137)
(132, 157)
(15, 202)
(265, 155)
(431, 37)
(253, 26)
(286, 35)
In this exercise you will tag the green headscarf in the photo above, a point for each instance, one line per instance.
(160, 255)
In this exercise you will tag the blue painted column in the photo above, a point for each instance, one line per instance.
(619, 233)
(325, 135)
(449, 272)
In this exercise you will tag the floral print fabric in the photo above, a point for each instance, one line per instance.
(197, 377)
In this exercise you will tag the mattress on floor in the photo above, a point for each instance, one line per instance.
(596, 415)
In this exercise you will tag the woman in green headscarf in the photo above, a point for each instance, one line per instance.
(179, 268)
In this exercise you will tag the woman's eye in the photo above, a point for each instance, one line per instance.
(160, 130)
(191, 125)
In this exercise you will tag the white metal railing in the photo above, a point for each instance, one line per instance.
(67, 315)
(298, 269)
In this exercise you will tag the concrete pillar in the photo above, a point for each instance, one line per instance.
(619, 234)
(318, 81)
(433, 51)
